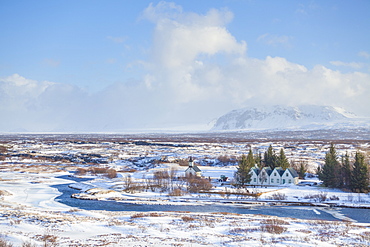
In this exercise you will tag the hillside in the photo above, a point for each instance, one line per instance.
(306, 117)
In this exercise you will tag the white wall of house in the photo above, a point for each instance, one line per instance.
(274, 179)
(287, 178)
(254, 178)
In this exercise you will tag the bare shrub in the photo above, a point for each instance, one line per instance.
(138, 215)
(304, 231)
(183, 162)
(196, 184)
(239, 230)
(224, 159)
(334, 198)
(187, 218)
(320, 197)
(49, 239)
(176, 192)
(278, 196)
(4, 243)
(111, 173)
(5, 193)
(273, 229)
(108, 172)
(275, 222)
(274, 226)
(154, 214)
(28, 244)
(81, 171)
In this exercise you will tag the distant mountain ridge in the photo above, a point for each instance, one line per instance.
(289, 117)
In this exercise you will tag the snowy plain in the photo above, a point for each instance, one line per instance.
(30, 213)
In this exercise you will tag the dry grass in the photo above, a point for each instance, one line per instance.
(187, 218)
(273, 226)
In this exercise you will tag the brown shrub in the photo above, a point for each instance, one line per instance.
(138, 215)
(275, 222)
(187, 218)
(111, 173)
(196, 184)
(4, 243)
(274, 229)
(176, 192)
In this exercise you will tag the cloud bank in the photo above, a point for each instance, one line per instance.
(197, 71)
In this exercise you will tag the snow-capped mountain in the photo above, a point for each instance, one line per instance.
(288, 117)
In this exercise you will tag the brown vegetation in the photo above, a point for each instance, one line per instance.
(108, 172)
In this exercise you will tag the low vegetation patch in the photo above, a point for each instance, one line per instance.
(273, 226)
(108, 172)
(187, 218)
(278, 196)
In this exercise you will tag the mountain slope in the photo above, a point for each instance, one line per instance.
(287, 117)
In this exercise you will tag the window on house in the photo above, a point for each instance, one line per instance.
(272, 180)
(275, 174)
(290, 181)
(254, 180)
(278, 180)
(287, 174)
(266, 180)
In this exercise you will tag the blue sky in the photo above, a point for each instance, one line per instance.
(117, 65)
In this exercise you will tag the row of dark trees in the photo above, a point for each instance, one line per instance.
(270, 159)
(334, 173)
(344, 174)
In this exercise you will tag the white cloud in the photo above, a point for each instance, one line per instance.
(197, 71)
(352, 65)
(364, 54)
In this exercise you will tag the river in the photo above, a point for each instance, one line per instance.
(298, 212)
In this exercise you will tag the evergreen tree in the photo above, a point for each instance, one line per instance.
(243, 175)
(302, 170)
(330, 172)
(281, 160)
(346, 172)
(250, 159)
(359, 175)
(258, 160)
(270, 158)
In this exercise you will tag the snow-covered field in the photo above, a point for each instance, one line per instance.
(30, 215)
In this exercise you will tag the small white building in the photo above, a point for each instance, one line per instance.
(275, 177)
(192, 169)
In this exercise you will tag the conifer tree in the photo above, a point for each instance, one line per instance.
(243, 175)
(282, 160)
(359, 175)
(270, 158)
(258, 160)
(250, 159)
(346, 172)
(302, 170)
(330, 172)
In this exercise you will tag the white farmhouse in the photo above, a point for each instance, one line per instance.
(275, 177)
(290, 176)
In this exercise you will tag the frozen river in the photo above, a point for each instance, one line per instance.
(298, 212)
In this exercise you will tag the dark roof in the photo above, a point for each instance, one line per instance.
(267, 170)
(256, 170)
(293, 172)
(194, 167)
(280, 170)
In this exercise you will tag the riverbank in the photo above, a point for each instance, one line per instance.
(32, 213)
